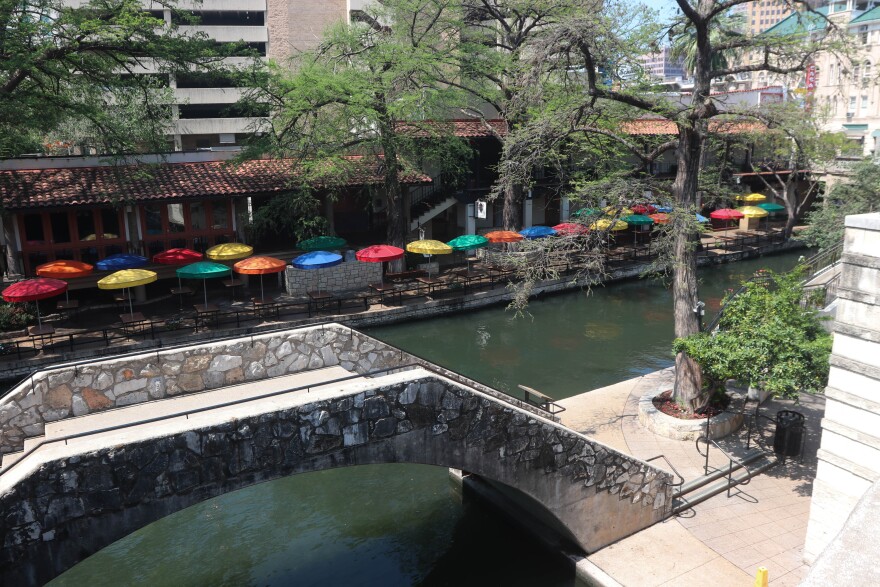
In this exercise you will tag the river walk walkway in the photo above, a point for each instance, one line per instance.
(722, 541)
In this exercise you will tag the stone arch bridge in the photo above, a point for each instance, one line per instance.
(85, 482)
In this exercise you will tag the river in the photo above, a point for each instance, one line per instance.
(394, 525)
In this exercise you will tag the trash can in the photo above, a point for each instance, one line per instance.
(789, 436)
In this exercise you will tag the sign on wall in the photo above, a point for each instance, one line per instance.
(481, 209)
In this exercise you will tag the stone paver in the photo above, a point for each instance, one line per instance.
(722, 541)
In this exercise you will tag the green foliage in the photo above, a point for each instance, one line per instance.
(294, 214)
(765, 338)
(859, 194)
(15, 316)
(66, 74)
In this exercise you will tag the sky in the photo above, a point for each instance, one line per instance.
(666, 6)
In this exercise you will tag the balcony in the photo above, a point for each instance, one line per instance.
(230, 34)
(210, 126)
(207, 95)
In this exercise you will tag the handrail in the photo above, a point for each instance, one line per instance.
(671, 466)
(226, 404)
(730, 460)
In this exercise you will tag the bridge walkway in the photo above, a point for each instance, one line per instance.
(174, 415)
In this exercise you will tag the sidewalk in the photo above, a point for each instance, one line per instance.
(721, 541)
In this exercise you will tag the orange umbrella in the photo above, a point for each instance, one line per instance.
(64, 269)
(660, 217)
(259, 266)
(503, 236)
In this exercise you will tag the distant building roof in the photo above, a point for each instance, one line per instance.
(31, 188)
(800, 22)
(873, 14)
(662, 126)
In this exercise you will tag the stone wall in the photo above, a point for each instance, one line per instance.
(77, 390)
(68, 508)
(849, 454)
(347, 276)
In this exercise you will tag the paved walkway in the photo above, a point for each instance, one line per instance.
(721, 541)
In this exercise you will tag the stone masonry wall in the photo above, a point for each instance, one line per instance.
(67, 509)
(347, 276)
(79, 390)
(849, 453)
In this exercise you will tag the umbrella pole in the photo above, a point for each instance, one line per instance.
(130, 307)
(205, 283)
(262, 297)
(39, 321)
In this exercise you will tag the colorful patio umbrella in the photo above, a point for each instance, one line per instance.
(660, 218)
(607, 224)
(586, 212)
(726, 214)
(64, 269)
(753, 212)
(322, 243)
(428, 248)
(379, 254)
(204, 270)
(322, 259)
(466, 242)
(752, 198)
(127, 279)
(617, 211)
(664, 209)
(638, 220)
(534, 232)
(34, 290)
(259, 266)
(701, 218)
(503, 236)
(177, 257)
(121, 261)
(769, 206)
(229, 252)
(571, 229)
(645, 209)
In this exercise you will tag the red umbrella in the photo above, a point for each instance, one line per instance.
(177, 257)
(727, 214)
(571, 228)
(379, 254)
(32, 290)
(643, 209)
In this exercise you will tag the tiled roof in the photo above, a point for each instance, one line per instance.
(465, 128)
(169, 181)
(662, 126)
(873, 14)
(800, 22)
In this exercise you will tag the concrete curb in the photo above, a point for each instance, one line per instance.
(588, 572)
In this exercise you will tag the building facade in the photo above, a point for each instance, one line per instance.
(662, 66)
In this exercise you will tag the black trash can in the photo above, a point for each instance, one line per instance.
(789, 436)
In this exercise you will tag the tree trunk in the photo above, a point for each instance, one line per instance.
(513, 198)
(397, 229)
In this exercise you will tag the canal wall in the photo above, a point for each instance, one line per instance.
(86, 388)
(84, 495)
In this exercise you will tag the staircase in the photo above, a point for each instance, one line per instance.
(739, 471)
(431, 210)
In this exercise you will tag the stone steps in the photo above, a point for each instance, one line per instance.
(167, 407)
(699, 494)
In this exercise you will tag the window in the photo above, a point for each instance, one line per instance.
(153, 218)
(857, 72)
(60, 227)
(176, 221)
(220, 215)
(852, 104)
(85, 225)
(863, 34)
(33, 229)
(866, 72)
(197, 216)
(864, 104)
(110, 223)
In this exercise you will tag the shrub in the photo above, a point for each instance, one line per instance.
(765, 338)
(15, 316)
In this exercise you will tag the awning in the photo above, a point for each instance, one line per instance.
(855, 129)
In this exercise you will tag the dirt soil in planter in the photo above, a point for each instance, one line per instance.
(665, 404)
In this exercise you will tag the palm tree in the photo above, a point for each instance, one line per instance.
(725, 28)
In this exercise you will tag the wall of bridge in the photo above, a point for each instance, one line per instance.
(69, 507)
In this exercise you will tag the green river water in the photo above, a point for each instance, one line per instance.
(394, 525)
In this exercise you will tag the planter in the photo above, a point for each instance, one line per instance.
(757, 394)
(669, 427)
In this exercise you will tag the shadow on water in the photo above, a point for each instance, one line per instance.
(395, 525)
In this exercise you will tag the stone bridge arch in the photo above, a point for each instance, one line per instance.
(62, 506)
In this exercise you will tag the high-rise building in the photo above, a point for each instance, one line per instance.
(760, 15)
(662, 66)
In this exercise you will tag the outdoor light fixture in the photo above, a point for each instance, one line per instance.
(700, 310)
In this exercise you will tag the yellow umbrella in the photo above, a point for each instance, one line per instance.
(753, 212)
(606, 224)
(229, 252)
(428, 247)
(615, 210)
(752, 198)
(125, 279)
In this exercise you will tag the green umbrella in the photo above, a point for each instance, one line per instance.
(637, 219)
(587, 212)
(322, 243)
(771, 207)
(203, 270)
(467, 242)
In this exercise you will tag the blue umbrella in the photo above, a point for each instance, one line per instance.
(664, 209)
(701, 218)
(537, 232)
(317, 260)
(121, 261)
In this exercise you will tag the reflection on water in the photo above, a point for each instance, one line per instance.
(401, 524)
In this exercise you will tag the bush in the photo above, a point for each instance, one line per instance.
(765, 338)
(15, 316)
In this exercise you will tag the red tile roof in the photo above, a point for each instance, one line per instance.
(167, 181)
(470, 128)
(662, 126)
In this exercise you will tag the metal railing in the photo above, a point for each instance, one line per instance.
(731, 482)
(671, 466)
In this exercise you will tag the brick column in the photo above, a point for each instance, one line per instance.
(849, 454)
